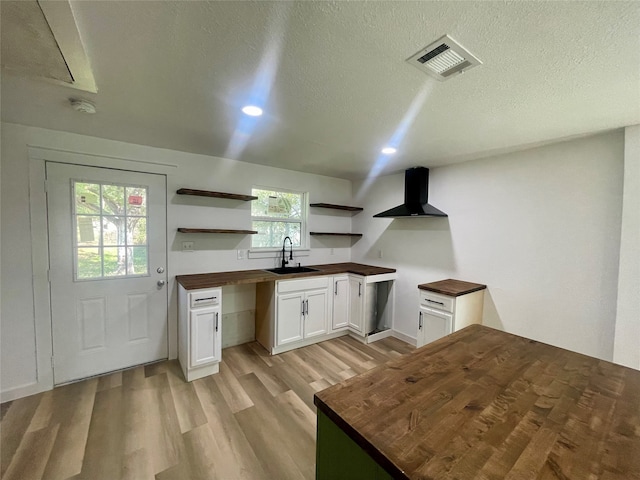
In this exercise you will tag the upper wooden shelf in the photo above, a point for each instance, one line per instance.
(337, 207)
(207, 193)
(215, 230)
(337, 234)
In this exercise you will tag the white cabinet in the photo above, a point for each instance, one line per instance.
(290, 319)
(199, 331)
(433, 324)
(439, 314)
(292, 313)
(340, 314)
(356, 304)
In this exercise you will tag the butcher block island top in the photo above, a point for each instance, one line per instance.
(453, 288)
(238, 277)
(485, 404)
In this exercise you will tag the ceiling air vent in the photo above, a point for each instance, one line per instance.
(443, 58)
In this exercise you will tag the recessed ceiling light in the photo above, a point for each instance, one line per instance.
(389, 150)
(252, 110)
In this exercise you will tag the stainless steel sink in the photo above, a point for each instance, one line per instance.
(285, 270)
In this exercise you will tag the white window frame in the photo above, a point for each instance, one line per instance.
(272, 252)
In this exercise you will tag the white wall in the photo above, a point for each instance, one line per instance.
(212, 253)
(627, 336)
(541, 228)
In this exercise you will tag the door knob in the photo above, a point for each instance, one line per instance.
(160, 270)
(161, 283)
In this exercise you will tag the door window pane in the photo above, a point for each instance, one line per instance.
(115, 217)
(87, 197)
(88, 230)
(136, 201)
(89, 263)
(136, 231)
(140, 262)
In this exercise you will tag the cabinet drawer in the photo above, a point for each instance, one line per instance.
(296, 285)
(434, 300)
(205, 298)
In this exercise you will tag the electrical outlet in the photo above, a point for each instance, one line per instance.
(187, 246)
(240, 254)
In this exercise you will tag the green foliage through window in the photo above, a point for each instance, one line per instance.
(111, 230)
(276, 215)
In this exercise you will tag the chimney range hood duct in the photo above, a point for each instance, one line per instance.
(416, 184)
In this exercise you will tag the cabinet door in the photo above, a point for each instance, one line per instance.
(356, 303)
(340, 317)
(289, 318)
(316, 313)
(435, 324)
(205, 336)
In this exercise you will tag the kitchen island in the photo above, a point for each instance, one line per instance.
(483, 404)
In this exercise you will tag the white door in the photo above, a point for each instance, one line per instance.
(316, 313)
(356, 304)
(205, 336)
(289, 323)
(435, 324)
(107, 258)
(340, 317)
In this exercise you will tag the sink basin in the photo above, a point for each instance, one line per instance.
(285, 270)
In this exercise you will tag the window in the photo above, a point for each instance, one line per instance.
(277, 214)
(110, 222)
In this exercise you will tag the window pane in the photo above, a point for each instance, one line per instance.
(276, 204)
(272, 234)
(88, 230)
(112, 200)
(138, 264)
(136, 201)
(113, 230)
(89, 263)
(87, 197)
(136, 231)
(115, 261)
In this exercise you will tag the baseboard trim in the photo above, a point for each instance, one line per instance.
(405, 338)
(23, 391)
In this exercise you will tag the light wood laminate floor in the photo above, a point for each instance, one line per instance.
(253, 420)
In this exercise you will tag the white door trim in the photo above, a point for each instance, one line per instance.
(40, 253)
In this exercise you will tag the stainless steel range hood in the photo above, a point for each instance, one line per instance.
(416, 195)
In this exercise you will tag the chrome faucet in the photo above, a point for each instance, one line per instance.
(284, 260)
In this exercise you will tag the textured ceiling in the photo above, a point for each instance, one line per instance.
(334, 83)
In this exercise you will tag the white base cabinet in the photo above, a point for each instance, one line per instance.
(292, 313)
(199, 332)
(296, 313)
(439, 315)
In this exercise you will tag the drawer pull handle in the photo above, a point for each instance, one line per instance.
(420, 321)
(307, 302)
(359, 289)
(433, 301)
(336, 289)
(204, 299)
(303, 308)
(217, 321)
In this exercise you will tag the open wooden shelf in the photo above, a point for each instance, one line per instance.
(207, 193)
(336, 234)
(216, 230)
(337, 207)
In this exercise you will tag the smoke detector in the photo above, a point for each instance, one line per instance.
(443, 58)
(83, 106)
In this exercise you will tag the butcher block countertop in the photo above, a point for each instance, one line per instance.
(452, 288)
(484, 404)
(219, 279)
